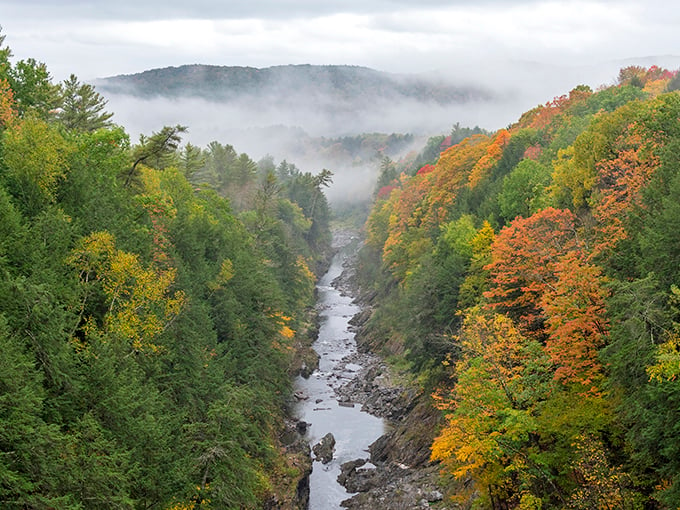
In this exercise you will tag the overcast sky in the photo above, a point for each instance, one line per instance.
(102, 38)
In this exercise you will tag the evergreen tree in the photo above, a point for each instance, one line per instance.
(82, 107)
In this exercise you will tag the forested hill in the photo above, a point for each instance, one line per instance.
(343, 86)
(532, 278)
(152, 296)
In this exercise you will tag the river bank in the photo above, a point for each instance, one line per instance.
(399, 473)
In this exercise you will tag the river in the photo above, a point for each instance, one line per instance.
(353, 429)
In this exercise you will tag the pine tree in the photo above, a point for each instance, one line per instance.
(82, 108)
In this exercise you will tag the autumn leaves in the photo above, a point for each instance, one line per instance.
(534, 238)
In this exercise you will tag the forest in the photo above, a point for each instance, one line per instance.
(346, 87)
(152, 296)
(539, 267)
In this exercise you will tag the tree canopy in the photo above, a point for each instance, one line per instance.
(147, 323)
(538, 265)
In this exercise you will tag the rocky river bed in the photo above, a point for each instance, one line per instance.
(336, 429)
(392, 470)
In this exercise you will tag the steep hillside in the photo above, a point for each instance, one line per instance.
(538, 266)
(148, 323)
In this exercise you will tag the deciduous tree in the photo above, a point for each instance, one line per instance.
(491, 433)
(576, 322)
(523, 259)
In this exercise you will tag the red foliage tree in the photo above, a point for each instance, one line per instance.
(385, 191)
(532, 152)
(426, 169)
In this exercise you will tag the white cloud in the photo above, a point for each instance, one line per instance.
(530, 50)
(96, 39)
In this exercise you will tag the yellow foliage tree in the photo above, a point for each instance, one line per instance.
(600, 485)
(140, 303)
(667, 359)
(35, 156)
(501, 379)
(573, 181)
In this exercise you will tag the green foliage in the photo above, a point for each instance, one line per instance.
(612, 98)
(523, 190)
(660, 240)
(5, 55)
(648, 408)
(145, 330)
(155, 150)
(388, 173)
(674, 83)
(191, 160)
(305, 190)
(82, 107)
(556, 336)
(21, 400)
(33, 89)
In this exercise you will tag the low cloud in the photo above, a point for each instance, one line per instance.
(267, 125)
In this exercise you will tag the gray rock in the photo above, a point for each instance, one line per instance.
(434, 496)
(348, 468)
(389, 487)
(323, 450)
(359, 480)
(301, 427)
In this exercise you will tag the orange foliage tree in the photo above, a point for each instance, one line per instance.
(493, 154)
(548, 118)
(620, 182)
(576, 322)
(636, 151)
(452, 173)
(523, 259)
(7, 107)
(423, 203)
(406, 239)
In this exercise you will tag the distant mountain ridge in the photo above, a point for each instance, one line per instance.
(342, 86)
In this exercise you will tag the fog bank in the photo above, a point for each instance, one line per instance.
(267, 125)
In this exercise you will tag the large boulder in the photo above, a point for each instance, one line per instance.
(356, 479)
(323, 450)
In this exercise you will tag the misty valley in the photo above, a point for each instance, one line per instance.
(333, 287)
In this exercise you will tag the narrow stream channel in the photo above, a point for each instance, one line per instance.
(353, 429)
